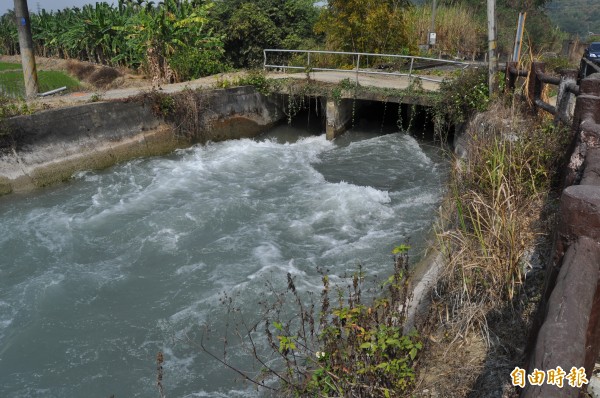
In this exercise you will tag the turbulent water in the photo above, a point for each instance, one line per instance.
(98, 275)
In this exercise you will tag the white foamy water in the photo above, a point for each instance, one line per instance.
(98, 275)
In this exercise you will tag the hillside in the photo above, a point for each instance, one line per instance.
(575, 16)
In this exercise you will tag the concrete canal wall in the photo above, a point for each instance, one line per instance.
(49, 146)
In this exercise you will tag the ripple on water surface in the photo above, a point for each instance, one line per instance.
(100, 274)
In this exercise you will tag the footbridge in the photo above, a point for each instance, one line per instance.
(412, 78)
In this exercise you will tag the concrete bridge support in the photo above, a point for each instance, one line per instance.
(338, 117)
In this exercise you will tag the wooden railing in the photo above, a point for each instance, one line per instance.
(568, 88)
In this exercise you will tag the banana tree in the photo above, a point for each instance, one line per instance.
(9, 40)
(172, 27)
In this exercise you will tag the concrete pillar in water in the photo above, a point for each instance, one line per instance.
(338, 115)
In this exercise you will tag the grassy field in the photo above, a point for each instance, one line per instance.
(12, 82)
(9, 66)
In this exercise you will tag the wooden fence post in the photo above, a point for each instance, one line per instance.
(565, 99)
(535, 85)
(510, 77)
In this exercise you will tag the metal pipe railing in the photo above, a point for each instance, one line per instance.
(357, 70)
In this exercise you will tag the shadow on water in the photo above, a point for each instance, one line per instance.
(369, 119)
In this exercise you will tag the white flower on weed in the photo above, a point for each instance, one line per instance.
(320, 354)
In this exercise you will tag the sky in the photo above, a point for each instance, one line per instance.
(49, 4)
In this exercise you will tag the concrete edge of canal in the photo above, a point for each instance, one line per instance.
(48, 147)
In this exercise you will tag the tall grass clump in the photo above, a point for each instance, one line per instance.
(458, 33)
(498, 191)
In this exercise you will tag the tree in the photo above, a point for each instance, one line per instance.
(250, 31)
(172, 36)
(251, 26)
(9, 40)
(377, 26)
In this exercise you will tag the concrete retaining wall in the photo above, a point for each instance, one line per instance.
(48, 147)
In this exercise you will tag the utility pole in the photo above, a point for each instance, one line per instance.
(430, 37)
(26, 48)
(491, 15)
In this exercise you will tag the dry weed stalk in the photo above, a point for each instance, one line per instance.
(497, 192)
(338, 347)
(457, 33)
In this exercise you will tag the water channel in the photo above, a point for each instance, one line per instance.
(99, 274)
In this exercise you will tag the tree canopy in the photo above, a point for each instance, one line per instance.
(377, 26)
(251, 26)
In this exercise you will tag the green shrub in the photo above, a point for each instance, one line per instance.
(190, 63)
(256, 78)
(461, 97)
(340, 348)
(555, 64)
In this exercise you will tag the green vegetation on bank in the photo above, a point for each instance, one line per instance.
(336, 346)
(494, 235)
(173, 40)
(178, 40)
(12, 82)
(9, 66)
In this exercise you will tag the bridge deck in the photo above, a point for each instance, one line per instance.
(395, 82)
(380, 81)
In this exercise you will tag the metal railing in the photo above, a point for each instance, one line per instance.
(414, 63)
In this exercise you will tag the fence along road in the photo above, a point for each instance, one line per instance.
(368, 69)
(364, 72)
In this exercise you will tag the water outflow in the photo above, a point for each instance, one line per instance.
(98, 275)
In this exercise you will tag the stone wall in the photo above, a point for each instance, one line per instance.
(568, 332)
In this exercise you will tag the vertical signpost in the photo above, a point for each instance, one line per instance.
(26, 48)
(519, 37)
(491, 14)
(431, 36)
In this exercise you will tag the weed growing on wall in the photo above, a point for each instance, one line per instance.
(10, 107)
(463, 96)
(183, 110)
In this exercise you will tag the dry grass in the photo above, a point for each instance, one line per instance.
(488, 291)
(458, 34)
(102, 77)
(498, 191)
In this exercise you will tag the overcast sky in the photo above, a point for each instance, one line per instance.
(48, 4)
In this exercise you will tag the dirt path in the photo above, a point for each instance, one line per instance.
(131, 83)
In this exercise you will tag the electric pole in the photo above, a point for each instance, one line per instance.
(26, 48)
(432, 29)
(491, 15)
